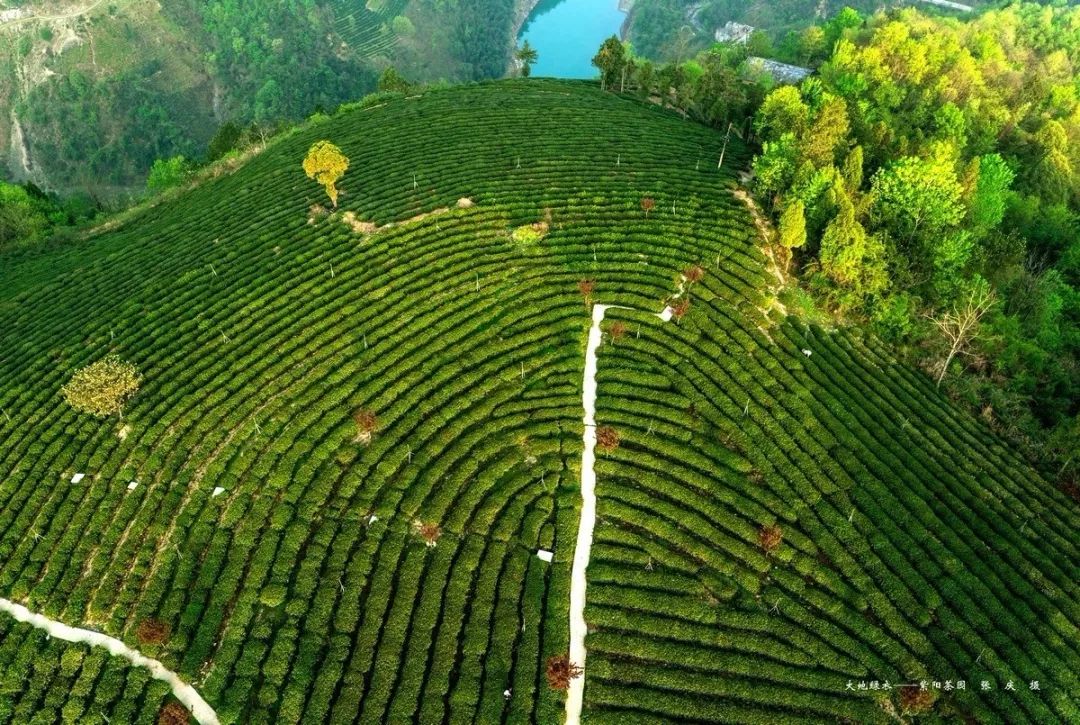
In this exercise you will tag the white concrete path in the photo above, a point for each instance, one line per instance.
(587, 522)
(184, 692)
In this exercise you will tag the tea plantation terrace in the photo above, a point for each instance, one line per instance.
(772, 528)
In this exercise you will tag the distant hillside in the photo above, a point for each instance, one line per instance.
(672, 29)
(91, 93)
(356, 431)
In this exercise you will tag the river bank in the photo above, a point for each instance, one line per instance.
(522, 10)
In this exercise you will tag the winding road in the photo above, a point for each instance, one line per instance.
(184, 692)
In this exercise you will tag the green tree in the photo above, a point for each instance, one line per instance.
(645, 78)
(269, 102)
(811, 44)
(402, 26)
(851, 258)
(783, 111)
(827, 133)
(845, 20)
(853, 170)
(226, 139)
(793, 225)
(992, 187)
(759, 44)
(610, 59)
(774, 168)
(526, 55)
(915, 198)
(167, 173)
(392, 81)
(21, 218)
(1053, 173)
(718, 95)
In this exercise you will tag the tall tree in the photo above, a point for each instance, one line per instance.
(853, 170)
(828, 131)
(610, 59)
(915, 199)
(783, 111)
(1053, 173)
(851, 258)
(990, 195)
(960, 325)
(325, 164)
(526, 55)
(793, 225)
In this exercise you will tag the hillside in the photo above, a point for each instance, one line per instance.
(93, 92)
(787, 518)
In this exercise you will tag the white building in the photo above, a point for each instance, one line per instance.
(733, 32)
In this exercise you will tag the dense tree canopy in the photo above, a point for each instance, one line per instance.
(930, 155)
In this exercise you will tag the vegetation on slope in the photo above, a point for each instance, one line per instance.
(101, 90)
(933, 163)
(356, 381)
(666, 30)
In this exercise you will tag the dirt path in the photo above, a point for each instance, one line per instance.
(587, 522)
(184, 692)
(74, 13)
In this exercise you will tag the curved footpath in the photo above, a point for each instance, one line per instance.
(184, 692)
(587, 522)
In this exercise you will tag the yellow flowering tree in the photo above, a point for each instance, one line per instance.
(325, 164)
(103, 387)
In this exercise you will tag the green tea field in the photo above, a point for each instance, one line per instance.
(357, 429)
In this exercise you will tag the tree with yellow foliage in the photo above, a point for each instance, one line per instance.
(326, 164)
(103, 387)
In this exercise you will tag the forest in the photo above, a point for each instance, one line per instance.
(670, 30)
(925, 183)
(103, 95)
(930, 174)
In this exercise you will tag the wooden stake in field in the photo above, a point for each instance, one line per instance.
(724, 149)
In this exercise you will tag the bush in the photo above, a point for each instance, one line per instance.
(559, 670)
(530, 233)
(167, 173)
(173, 714)
(152, 631)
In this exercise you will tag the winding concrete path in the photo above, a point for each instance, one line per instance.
(184, 692)
(587, 522)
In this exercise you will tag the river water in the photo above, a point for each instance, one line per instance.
(567, 34)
